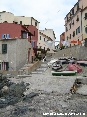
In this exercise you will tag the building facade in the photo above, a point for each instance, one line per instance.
(13, 53)
(74, 24)
(50, 33)
(42, 41)
(62, 38)
(12, 30)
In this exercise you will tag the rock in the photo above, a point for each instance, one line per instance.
(29, 96)
(4, 89)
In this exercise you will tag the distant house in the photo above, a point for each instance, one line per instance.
(42, 42)
(62, 38)
(30, 24)
(14, 53)
(12, 30)
(50, 33)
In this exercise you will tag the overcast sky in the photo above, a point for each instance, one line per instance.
(50, 13)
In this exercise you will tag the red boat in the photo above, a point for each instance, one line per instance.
(73, 67)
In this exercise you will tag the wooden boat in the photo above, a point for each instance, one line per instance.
(64, 73)
(71, 61)
(82, 62)
(57, 65)
(63, 61)
(73, 67)
(51, 62)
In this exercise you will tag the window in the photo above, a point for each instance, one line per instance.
(35, 23)
(85, 16)
(34, 33)
(20, 22)
(67, 37)
(66, 29)
(79, 29)
(77, 6)
(4, 48)
(44, 48)
(70, 25)
(76, 31)
(0, 16)
(73, 22)
(44, 39)
(77, 18)
(73, 33)
(70, 36)
(40, 37)
(67, 18)
(86, 29)
(72, 11)
(5, 36)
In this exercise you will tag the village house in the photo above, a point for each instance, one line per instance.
(27, 22)
(13, 35)
(62, 38)
(50, 33)
(13, 53)
(43, 42)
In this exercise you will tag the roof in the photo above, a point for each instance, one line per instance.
(84, 9)
(72, 8)
(26, 29)
(50, 29)
(35, 19)
(45, 35)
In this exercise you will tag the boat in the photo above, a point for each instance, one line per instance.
(71, 61)
(64, 73)
(57, 65)
(82, 62)
(73, 67)
(51, 62)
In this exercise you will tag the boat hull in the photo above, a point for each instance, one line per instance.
(67, 73)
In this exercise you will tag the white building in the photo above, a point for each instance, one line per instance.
(50, 33)
(10, 18)
(43, 42)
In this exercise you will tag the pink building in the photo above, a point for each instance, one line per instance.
(73, 23)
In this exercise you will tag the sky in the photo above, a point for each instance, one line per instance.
(50, 13)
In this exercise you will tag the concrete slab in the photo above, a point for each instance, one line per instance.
(82, 90)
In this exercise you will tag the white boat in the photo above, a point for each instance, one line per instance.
(51, 62)
(64, 73)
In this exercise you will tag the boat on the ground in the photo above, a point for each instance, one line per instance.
(51, 62)
(73, 67)
(71, 61)
(57, 65)
(82, 62)
(63, 60)
(64, 73)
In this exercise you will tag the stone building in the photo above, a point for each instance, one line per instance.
(13, 53)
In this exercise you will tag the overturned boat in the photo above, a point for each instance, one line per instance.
(64, 73)
(73, 67)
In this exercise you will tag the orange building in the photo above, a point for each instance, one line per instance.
(62, 38)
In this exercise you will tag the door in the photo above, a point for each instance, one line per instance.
(7, 66)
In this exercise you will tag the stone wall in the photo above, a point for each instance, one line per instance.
(75, 51)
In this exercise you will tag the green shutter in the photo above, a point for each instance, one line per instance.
(4, 48)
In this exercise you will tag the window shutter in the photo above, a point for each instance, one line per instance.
(2, 36)
(4, 48)
(7, 36)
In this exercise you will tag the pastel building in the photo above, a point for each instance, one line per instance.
(74, 22)
(50, 33)
(42, 41)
